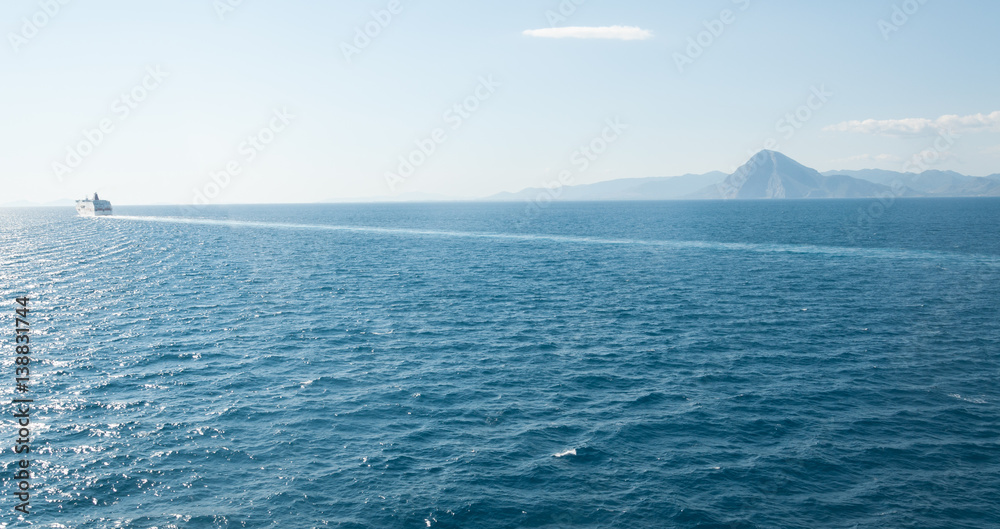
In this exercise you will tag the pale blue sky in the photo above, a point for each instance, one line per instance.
(227, 76)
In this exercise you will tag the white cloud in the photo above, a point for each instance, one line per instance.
(922, 126)
(607, 32)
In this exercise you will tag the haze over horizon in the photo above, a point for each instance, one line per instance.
(295, 102)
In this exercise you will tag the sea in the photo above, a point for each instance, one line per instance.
(731, 364)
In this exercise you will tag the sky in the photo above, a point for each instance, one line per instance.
(254, 101)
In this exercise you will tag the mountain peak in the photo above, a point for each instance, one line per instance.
(770, 174)
(774, 156)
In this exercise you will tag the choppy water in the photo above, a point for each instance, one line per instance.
(731, 365)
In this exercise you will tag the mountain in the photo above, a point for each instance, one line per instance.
(655, 188)
(61, 203)
(412, 196)
(772, 175)
(931, 183)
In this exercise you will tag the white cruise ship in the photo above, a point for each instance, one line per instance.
(93, 208)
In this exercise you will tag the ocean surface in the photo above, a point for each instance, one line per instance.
(784, 364)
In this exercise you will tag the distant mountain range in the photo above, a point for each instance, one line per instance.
(772, 175)
(932, 183)
(654, 188)
(402, 197)
(52, 204)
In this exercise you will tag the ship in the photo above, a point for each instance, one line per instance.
(93, 207)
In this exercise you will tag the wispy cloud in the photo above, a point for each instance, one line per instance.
(606, 32)
(922, 126)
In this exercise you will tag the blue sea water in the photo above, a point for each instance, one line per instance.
(786, 364)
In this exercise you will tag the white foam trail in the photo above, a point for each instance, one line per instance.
(566, 453)
(840, 251)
